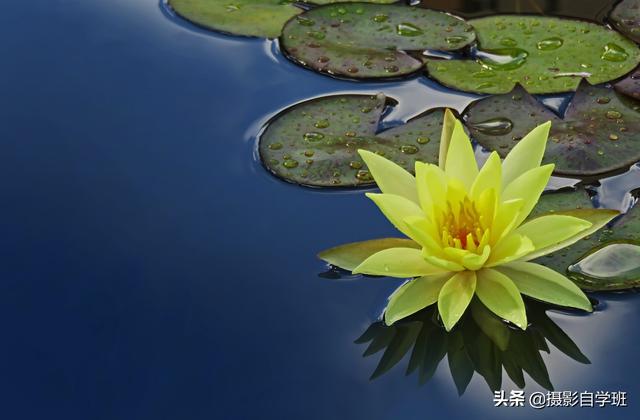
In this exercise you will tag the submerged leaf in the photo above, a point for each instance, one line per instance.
(599, 133)
(315, 143)
(543, 54)
(358, 40)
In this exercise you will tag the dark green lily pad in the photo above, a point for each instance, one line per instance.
(543, 54)
(626, 18)
(599, 250)
(600, 131)
(316, 143)
(360, 40)
(630, 85)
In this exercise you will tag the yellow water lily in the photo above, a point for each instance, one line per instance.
(468, 231)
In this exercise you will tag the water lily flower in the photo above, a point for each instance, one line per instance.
(468, 231)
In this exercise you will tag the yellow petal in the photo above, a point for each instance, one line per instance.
(467, 259)
(510, 248)
(527, 154)
(431, 185)
(598, 219)
(390, 177)
(443, 263)
(550, 230)
(425, 233)
(414, 296)
(544, 284)
(487, 205)
(490, 176)
(455, 297)
(528, 187)
(498, 293)
(445, 139)
(397, 262)
(461, 161)
(505, 219)
(397, 209)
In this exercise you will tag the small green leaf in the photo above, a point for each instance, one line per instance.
(349, 256)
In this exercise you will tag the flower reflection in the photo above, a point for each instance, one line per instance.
(481, 343)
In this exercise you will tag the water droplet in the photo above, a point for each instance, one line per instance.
(455, 39)
(380, 17)
(313, 136)
(232, 7)
(355, 165)
(409, 149)
(309, 153)
(613, 137)
(494, 127)
(304, 21)
(550, 44)
(322, 124)
(350, 134)
(614, 52)
(407, 29)
(290, 163)
(366, 110)
(323, 59)
(353, 70)
(316, 35)
(613, 115)
(342, 11)
(603, 100)
(617, 261)
(485, 85)
(503, 58)
(423, 140)
(508, 42)
(600, 152)
(275, 146)
(309, 161)
(363, 175)
(391, 69)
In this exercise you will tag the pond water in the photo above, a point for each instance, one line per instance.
(152, 269)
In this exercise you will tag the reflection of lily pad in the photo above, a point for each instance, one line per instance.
(626, 18)
(543, 54)
(360, 40)
(600, 131)
(602, 248)
(315, 143)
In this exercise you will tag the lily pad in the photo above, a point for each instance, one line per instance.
(360, 40)
(260, 18)
(600, 131)
(543, 54)
(316, 143)
(630, 85)
(608, 259)
(626, 18)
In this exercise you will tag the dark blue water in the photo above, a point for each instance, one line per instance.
(151, 268)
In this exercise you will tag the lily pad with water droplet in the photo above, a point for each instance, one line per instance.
(360, 40)
(626, 18)
(600, 131)
(315, 143)
(543, 54)
(630, 85)
(260, 18)
(609, 259)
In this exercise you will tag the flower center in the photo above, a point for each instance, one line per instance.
(461, 227)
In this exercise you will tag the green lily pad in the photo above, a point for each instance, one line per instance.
(316, 143)
(626, 18)
(543, 54)
(360, 40)
(600, 131)
(260, 18)
(608, 259)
